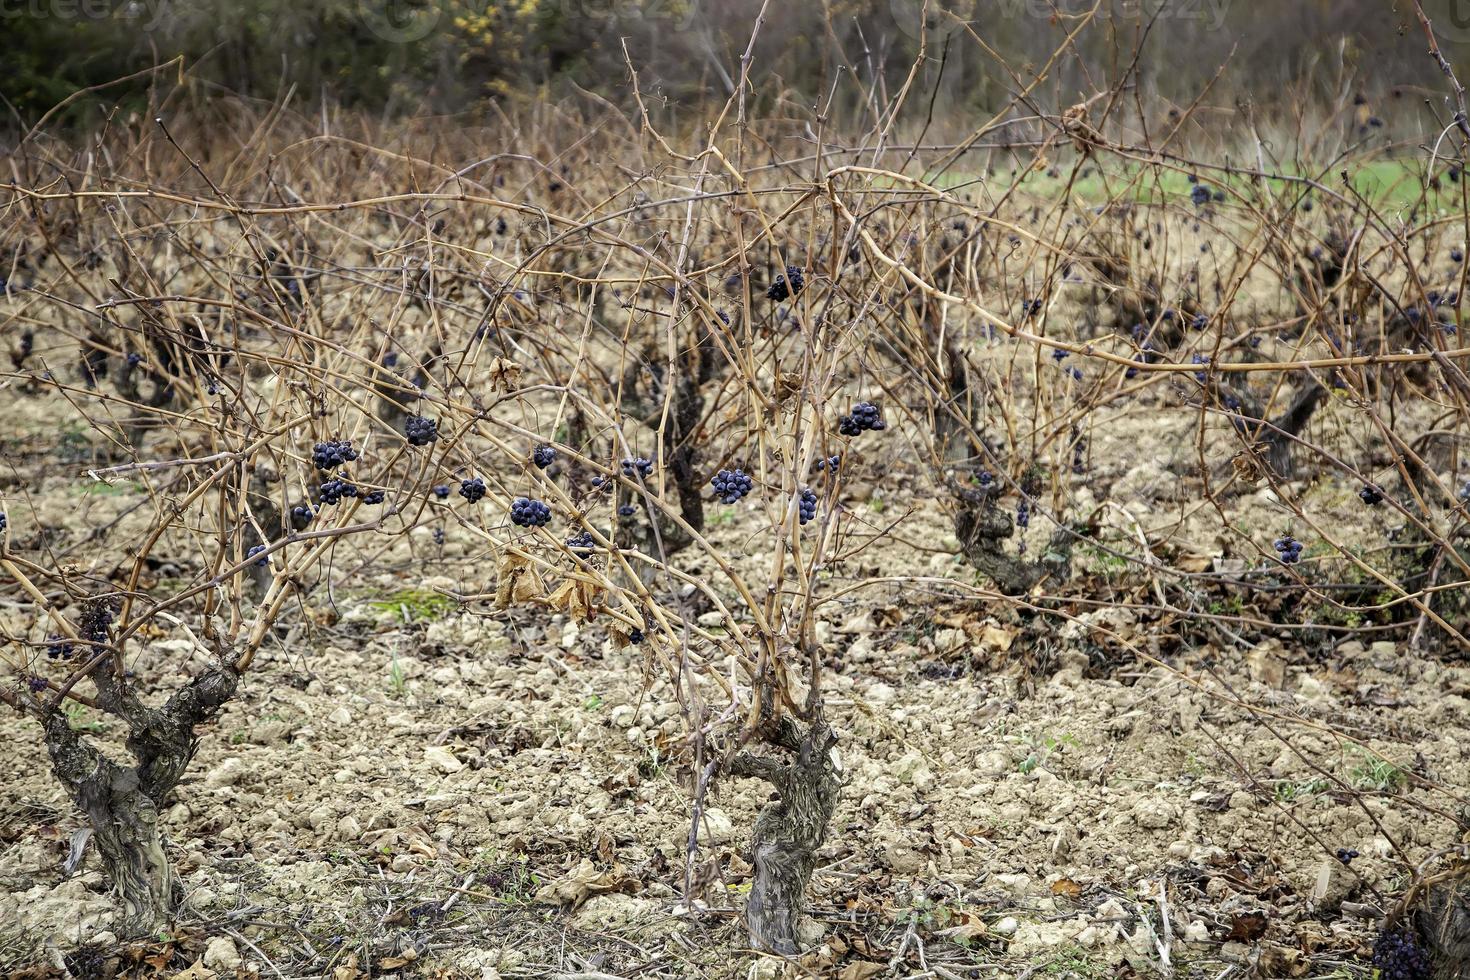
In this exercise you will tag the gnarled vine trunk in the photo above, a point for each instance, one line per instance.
(1444, 922)
(122, 803)
(788, 833)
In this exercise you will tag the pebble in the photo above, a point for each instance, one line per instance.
(221, 954)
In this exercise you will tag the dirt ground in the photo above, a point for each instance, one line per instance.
(407, 788)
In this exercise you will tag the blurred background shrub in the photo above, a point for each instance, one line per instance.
(402, 56)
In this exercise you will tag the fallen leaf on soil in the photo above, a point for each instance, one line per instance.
(581, 883)
(1247, 927)
(197, 972)
(970, 927)
(1066, 887)
(861, 970)
(348, 970)
(395, 962)
(997, 639)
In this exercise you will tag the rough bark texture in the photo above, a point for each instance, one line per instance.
(124, 823)
(1444, 922)
(788, 833)
(982, 529)
(122, 803)
(1291, 423)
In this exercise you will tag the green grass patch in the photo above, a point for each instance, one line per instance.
(416, 604)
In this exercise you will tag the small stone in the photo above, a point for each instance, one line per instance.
(1006, 926)
(1196, 932)
(718, 827)
(442, 759)
(340, 716)
(221, 954)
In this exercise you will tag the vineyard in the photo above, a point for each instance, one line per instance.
(599, 542)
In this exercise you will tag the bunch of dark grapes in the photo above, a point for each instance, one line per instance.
(985, 479)
(581, 544)
(627, 510)
(1398, 955)
(731, 485)
(830, 463)
(260, 562)
(806, 505)
(1371, 495)
(786, 286)
(529, 513)
(1200, 195)
(635, 637)
(442, 491)
(3, 522)
(472, 489)
(1346, 855)
(1023, 514)
(637, 466)
(302, 514)
(95, 620)
(333, 453)
(1288, 549)
(58, 647)
(374, 497)
(865, 416)
(420, 431)
(333, 491)
(543, 456)
(36, 684)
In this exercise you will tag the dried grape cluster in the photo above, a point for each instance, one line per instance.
(1371, 495)
(864, 417)
(1398, 955)
(525, 512)
(543, 456)
(333, 453)
(420, 431)
(806, 504)
(472, 489)
(333, 491)
(261, 561)
(637, 466)
(731, 485)
(1288, 549)
(786, 286)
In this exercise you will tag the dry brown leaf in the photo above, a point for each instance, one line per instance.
(969, 928)
(577, 598)
(1247, 927)
(861, 970)
(397, 962)
(581, 883)
(505, 374)
(1066, 887)
(995, 638)
(197, 971)
(517, 581)
(348, 970)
